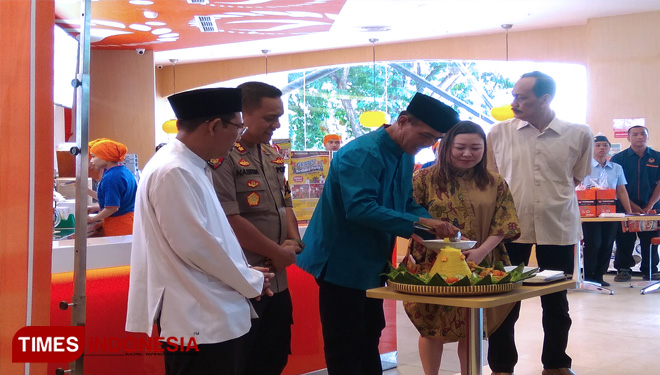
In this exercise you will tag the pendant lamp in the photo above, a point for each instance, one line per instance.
(266, 52)
(504, 112)
(374, 118)
(169, 126)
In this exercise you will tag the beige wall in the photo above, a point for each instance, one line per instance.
(624, 67)
(121, 105)
(565, 44)
(621, 54)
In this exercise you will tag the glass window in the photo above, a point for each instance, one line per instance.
(331, 99)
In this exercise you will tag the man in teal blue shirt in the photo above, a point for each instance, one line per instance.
(366, 203)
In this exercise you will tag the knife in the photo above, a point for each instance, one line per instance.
(426, 230)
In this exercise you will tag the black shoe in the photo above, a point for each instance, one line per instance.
(597, 280)
(654, 276)
(604, 283)
(622, 276)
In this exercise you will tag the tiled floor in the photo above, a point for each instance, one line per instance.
(611, 335)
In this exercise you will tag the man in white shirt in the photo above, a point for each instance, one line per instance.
(543, 159)
(188, 272)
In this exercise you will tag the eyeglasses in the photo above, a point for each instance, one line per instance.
(430, 137)
(241, 127)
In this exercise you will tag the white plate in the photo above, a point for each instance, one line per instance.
(440, 244)
(525, 269)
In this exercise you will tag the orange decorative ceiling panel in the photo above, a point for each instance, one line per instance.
(162, 25)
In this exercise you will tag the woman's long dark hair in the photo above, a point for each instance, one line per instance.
(443, 173)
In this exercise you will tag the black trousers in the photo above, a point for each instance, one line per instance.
(625, 244)
(502, 352)
(598, 242)
(269, 339)
(212, 359)
(352, 325)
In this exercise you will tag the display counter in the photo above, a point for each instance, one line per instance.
(108, 260)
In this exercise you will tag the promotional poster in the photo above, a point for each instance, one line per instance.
(307, 173)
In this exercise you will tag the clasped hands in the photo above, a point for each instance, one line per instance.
(644, 211)
(286, 256)
(267, 277)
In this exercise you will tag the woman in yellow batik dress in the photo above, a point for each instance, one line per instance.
(459, 189)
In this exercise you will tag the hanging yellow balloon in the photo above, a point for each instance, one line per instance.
(169, 127)
(502, 113)
(373, 119)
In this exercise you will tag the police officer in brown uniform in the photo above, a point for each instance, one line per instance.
(254, 193)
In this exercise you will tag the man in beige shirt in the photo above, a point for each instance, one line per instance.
(542, 159)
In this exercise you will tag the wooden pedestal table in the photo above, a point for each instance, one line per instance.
(475, 306)
(587, 285)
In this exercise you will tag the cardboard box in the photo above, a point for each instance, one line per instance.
(605, 201)
(587, 202)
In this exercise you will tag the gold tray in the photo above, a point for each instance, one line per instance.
(473, 290)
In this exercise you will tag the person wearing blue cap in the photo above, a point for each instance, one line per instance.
(641, 166)
(599, 236)
(188, 272)
(365, 204)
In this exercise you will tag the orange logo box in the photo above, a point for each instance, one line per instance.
(587, 202)
(605, 201)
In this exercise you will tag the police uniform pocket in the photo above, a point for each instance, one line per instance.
(252, 194)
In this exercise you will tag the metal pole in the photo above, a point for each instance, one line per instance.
(78, 310)
(507, 27)
(475, 344)
(373, 67)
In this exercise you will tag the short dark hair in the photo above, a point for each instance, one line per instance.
(409, 115)
(544, 84)
(638, 126)
(254, 91)
(192, 124)
(444, 173)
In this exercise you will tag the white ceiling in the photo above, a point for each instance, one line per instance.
(409, 20)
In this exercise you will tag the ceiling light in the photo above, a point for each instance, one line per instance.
(507, 27)
(169, 126)
(118, 25)
(161, 31)
(504, 112)
(139, 27)
(370, 29)
(266, 52)
(373, 118)
(149, 14)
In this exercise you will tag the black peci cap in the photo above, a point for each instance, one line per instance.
(602, 138)
(201, 103)
(433, 112)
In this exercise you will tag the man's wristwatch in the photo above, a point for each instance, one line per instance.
(299, 242)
